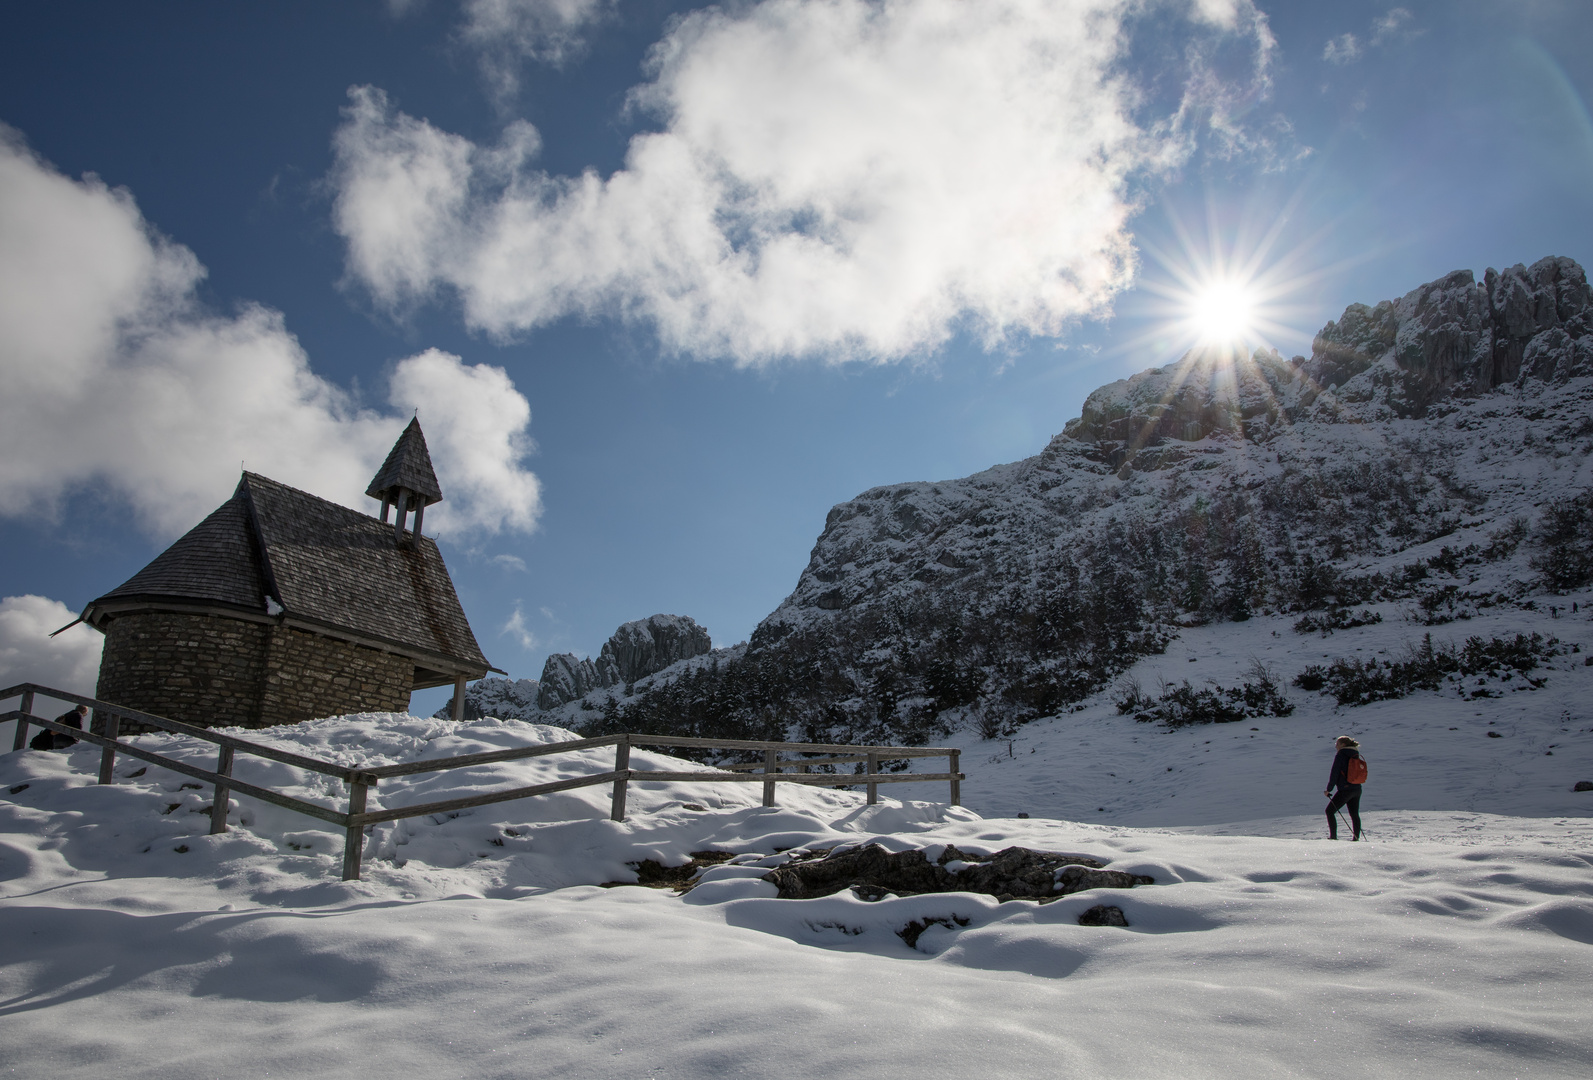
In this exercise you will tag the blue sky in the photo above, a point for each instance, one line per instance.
(932, 230)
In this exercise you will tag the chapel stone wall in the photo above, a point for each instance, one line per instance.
(213, 671)
(201, 669)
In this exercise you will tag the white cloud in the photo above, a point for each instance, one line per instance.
(507, 31)
(70, 661)
(1393, 27)
(833, 178)
(1344, 49)
(118, 381)
(517, 629)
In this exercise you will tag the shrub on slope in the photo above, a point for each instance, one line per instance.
(1429, 667)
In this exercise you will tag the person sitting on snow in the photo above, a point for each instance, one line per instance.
(54, 740)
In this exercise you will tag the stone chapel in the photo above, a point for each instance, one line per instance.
(282, 606)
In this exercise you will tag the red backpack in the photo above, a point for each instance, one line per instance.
(1355, 770)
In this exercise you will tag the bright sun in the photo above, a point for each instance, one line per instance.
(1223, 313)
(1224, 298)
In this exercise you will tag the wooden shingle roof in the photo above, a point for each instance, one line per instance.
(217, 561)
(275, 553)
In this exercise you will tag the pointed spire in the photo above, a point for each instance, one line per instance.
(408, 467)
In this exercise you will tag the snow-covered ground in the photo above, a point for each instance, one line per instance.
(1428, 751)
(1457, 941)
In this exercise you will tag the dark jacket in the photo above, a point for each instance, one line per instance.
(1339, 777)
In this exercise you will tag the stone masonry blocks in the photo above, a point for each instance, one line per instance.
(213, 671)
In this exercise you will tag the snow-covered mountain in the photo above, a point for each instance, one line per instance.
(1432, 453)
(634, 651)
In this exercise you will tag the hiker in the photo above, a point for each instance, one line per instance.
(1349, 795)
(54, 740)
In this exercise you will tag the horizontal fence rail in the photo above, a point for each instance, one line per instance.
(356, 819)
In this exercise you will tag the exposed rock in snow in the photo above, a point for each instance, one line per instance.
(1103, 915)
(1012, 873)
(636, 650)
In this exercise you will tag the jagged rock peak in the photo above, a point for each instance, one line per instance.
(566, 677)
(1449, 338)
(650, 645)
(1456, 336)
(636, 650)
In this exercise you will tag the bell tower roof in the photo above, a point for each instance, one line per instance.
(408, 467)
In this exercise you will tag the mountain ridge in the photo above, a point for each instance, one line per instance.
(1419, 454)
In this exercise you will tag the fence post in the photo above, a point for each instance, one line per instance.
(955, 759)
(22, 725)
(769, 767)
(113, 726)
(873, 770)
(354, 838)
(218, 805)
(622, 765)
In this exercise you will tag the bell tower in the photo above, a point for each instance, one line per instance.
(406, 482)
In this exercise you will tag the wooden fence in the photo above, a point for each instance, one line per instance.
(356, 819)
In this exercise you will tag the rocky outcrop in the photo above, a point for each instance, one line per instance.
(634, 651)
(566, 677)
(1455, 337)
(648, 646)
(506, 699)
(1014, 873)
(1207, 391)
(1450, 338)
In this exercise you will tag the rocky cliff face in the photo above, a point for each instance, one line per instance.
(1449, 340)
(1456, 337)
(636, 650)
(1412, 456)
(503, 698)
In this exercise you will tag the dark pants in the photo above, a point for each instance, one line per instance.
(1347, 796)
